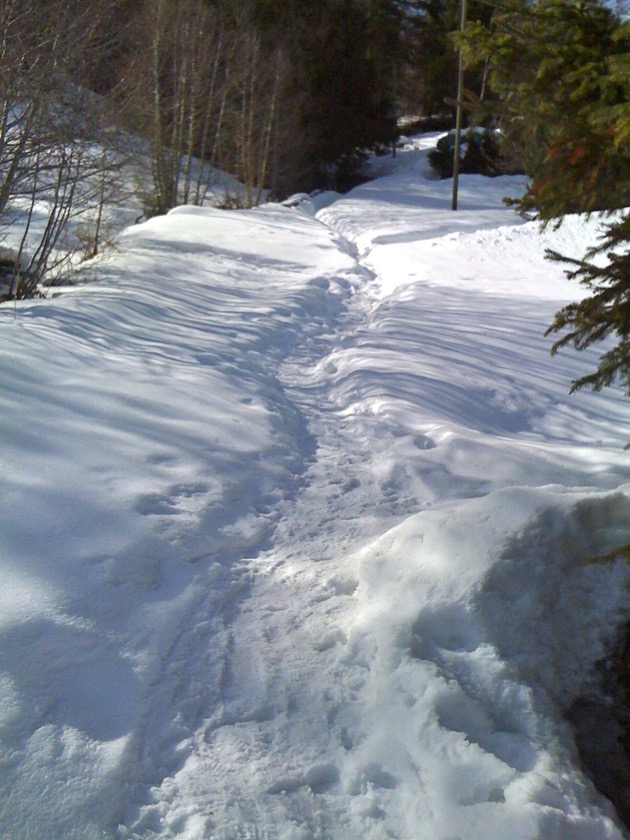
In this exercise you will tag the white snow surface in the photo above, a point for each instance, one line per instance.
(295, 509)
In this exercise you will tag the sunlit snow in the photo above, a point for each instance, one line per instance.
(295, 509)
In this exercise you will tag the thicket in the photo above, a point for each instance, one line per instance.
(481, 153)
(58, 152)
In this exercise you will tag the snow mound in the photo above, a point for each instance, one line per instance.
(477, 626)
(146, 439)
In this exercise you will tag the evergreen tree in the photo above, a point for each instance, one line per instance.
(560, 75)
(344, 57)
(605, 312)
(431, 58)
(554, 87)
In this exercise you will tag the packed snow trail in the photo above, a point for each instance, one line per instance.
(305, 558)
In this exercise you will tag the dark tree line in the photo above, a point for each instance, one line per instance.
(275, 93)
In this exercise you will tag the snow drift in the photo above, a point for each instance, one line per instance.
(296, 510)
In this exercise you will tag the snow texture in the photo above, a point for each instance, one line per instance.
(295, 513)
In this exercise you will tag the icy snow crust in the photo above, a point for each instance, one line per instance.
(294, 512)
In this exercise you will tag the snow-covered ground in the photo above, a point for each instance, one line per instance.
(295, 508)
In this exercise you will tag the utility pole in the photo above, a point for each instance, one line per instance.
(458, 118)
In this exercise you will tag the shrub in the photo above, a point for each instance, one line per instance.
(480, 153)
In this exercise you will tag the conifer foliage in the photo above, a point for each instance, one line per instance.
(605, 312)
(559, 73)
(344, 58)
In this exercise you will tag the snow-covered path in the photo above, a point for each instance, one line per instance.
(296, 531)
(301, 735)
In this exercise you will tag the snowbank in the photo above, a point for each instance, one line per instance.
(145, 436)
(296, 509)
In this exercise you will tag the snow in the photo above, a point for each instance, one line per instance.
(295, 513)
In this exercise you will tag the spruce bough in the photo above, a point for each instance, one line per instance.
(559, 82)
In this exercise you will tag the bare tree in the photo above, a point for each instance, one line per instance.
(207, 92)
(254, 114)
(52, 161)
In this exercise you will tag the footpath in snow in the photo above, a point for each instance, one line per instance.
(295, 513)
